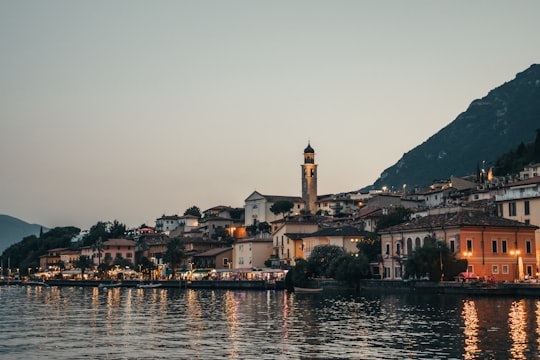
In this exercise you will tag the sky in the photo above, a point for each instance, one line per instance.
(129, 110)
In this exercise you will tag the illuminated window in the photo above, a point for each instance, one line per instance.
(495, 269)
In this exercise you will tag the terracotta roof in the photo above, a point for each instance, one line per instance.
(530, 181)
(459, 219)
(213, 252)
(338, 231)
(119, 242)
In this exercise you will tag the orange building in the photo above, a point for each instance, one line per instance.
(493, 246)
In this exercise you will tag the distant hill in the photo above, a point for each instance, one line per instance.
(13, 230)
(490, 127)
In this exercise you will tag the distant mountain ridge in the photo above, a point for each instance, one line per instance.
(491, 126)
(13, 230)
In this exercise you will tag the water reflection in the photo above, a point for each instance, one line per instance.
(517, 324)
(470, 318)
(123, 323)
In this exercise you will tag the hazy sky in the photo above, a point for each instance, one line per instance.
(130, 110)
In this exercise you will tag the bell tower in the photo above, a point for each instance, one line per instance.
(309, 179)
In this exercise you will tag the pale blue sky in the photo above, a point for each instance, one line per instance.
(132, 109)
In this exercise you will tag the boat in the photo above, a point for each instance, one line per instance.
(148, 286)
(36, 283)
(109, 285)
(307, 290)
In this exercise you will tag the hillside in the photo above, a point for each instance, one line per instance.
(491, 126)
(13, 230)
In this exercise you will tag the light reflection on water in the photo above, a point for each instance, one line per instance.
(128, 323)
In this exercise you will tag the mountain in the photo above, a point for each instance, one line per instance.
(491, 126)
(13, 230)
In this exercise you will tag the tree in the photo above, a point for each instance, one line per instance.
(83, 262)
(174, 254)
(194, 211)
(282, 207)
(435, 260)
(370, 246)
(349, 268)
(117, 230)
(98, 246)
(321, 257)
(299, 275)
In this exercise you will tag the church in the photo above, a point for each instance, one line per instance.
(257, 206)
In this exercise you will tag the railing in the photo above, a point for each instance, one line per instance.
(517, 194)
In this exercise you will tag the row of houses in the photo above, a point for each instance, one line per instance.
(492, 223)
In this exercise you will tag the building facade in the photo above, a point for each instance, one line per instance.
(492, 246)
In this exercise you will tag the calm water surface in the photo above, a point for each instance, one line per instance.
(124, 323)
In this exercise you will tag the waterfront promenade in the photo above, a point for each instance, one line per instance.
(389, 286)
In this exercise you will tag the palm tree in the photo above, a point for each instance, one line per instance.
(98, 246)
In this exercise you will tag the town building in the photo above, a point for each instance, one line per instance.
(521, 201)
(257, 207)
(288, 238)
(309, 180)
(492, 246)
(118, 249)
(252, 252)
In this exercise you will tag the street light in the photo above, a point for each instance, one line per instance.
(516, 253)
(467, 255)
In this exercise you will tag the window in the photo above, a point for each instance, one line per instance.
(494, 246)
(527, 207)
(512, 209)
(129, 255)
(528, 246)
(469, 245)
(505, 269)
(386, 272)
(398, 249)
(495, 269)
(417, 243)
(225, 261)
(240, 260)
(452, 246)
(500, 208)
(504, 247)
(387, 249)
(397, 272)
(529, 270)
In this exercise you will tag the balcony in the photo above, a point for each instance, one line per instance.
(518, 194)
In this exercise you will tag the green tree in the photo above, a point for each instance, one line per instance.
(194, 211)
(282, 207)
(98, 246)
(147, 266)
(370, 246)
(83, 262)
(174, 255)
(435, 260)
(299, 275)
(321, 257)
(117, 230)
(349, 268)
(264, 227)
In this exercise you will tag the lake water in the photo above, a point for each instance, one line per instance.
(129, 323)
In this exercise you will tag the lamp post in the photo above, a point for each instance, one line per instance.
(467, 255)
(516, 253)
